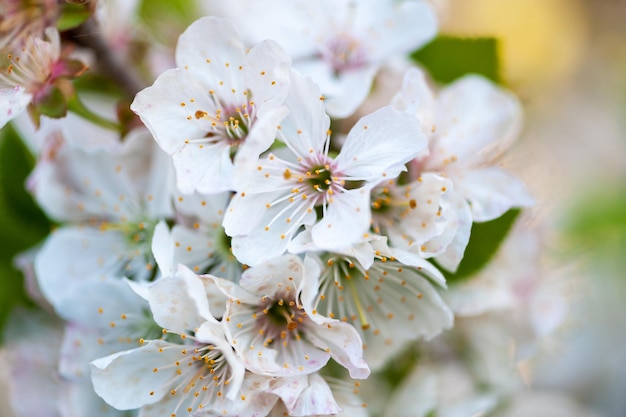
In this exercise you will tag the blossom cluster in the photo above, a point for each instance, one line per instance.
(254, 244)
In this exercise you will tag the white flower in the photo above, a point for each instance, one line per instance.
(389, 302)
(275, 334)
(276, 196)
(221, 103)
(200, 240)
(111, 202)
(468, 124)
(193, 369)
(340, 43)
(417, 214)
(29, 74)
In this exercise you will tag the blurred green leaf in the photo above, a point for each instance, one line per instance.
(72, 15)
(177, 13)
(22, 223)
(485, 241)
(447, 58)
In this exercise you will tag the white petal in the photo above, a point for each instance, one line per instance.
(163, 249)
(126, 379)
(160, 109)
(267, 73)
(354, 86)
(402, 27)
(475, 121)
(452, 256)
(307, 395)
(492, 192)
(73, 254)
(347, 219)
(306, 115)
(204, 168)
(416, 97)
(212, 50)
(179, 303)
(13, 101)
(379, 145)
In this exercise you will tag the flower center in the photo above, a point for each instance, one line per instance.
(320, 177)
(344, 52)
(281, 315)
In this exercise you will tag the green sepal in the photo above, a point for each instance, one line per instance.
(447, 58)
(52, 104)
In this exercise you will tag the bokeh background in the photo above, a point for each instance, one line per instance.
(566, 59)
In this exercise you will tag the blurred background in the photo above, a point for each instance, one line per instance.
(566, 59)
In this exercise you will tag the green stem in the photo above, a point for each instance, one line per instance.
(76, 106)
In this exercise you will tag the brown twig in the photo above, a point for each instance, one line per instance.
(89, 35)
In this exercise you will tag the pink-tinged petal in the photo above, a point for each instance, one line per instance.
(179, 302)
(128, 380)
(379, 145)
(13, 101)
(267, 74)
(218, 58)
(491, 192)
(347, 219)
(475, 121)
(205, 168)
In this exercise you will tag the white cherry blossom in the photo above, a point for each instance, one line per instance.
(305, 185)
(193, 368)
(110, 202)
(221, 103)
(468, 124)
(275, 334)
(341, 44)
(389, 302)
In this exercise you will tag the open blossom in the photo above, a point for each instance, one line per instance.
(304, 185)
(219, 105)
(110, 203)
(389, 302)
(341, 44)
(199, 238)
(468, 124)
(418, 214)
(193, 368)
(275, 334)
(32, 74)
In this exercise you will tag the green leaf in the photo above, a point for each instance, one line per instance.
(447, 58)
(22, 223)
(72, 15)
(484, 242)
(177, 13)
